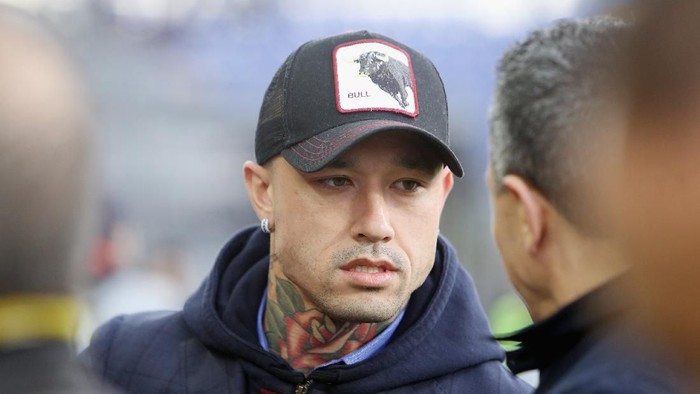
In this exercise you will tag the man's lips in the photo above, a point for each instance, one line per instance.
(370, 273)
(371, 266)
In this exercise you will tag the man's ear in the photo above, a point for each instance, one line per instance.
(530, 210)
(447, 183)
(259, 187)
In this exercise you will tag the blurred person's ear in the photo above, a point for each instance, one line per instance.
(530, 212)
(259, 188)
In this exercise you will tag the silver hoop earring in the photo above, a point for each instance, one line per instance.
(265, 226)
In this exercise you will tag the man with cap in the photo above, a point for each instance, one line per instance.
(346, 286)
(554, 123)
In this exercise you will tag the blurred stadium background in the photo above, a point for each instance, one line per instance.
(177, 86)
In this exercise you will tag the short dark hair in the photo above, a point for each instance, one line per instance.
(549, 88)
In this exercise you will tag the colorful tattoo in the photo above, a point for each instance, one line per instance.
(307, 337)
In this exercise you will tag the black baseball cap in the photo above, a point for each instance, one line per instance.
(333, 92)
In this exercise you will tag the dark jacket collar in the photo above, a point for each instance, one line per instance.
(444, 329)
(544, 343)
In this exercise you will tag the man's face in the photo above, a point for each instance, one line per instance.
(359, 236)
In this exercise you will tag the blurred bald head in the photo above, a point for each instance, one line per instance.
(46, 196)
(659, 181)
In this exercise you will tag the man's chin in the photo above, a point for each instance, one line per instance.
(365, 313)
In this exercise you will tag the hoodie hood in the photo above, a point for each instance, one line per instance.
(444, 329)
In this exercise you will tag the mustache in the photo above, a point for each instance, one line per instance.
(374, 251)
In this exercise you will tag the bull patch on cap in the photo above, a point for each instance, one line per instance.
(373, 75)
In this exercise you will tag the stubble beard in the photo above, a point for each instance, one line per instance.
(358, 309)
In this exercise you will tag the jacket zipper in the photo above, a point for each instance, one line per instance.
(303, 388)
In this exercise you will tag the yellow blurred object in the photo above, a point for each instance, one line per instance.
(37, 317)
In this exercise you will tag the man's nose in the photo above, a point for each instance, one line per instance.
(372, 222)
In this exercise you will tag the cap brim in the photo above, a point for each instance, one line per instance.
(318, 151)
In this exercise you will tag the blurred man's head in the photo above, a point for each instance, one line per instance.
(555, 113)
(45, 168)
(659, 183)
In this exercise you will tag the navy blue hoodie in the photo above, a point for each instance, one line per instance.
(443, 344)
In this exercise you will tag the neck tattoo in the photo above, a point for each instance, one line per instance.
(307, 337)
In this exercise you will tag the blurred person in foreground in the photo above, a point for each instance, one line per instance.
(658, 194)
(46, 209)
(554, 119)
(346, 285)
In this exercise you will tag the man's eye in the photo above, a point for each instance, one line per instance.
(336, 182)
(408, 185)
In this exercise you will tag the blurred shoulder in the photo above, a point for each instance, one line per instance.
(150, 337)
